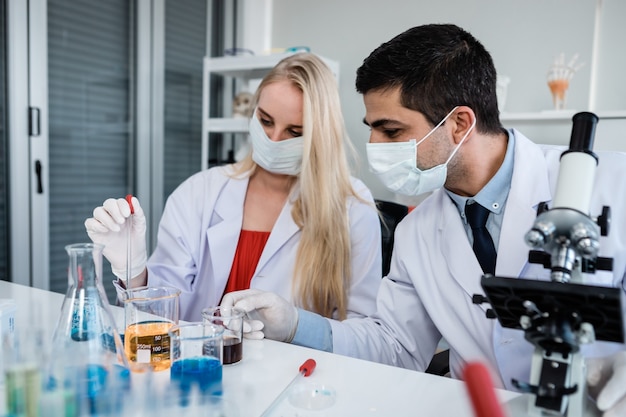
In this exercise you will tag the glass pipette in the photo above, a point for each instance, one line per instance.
(305, 370)
(129, 199)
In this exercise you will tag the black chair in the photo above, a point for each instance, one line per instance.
(440, 363)
(390, 216)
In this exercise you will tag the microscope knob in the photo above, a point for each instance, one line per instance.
(604, 264)
(535, 238)
(479, 299)
(604, 220)
(542, 207)
(539, 257)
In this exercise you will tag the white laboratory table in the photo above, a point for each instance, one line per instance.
(362, 388)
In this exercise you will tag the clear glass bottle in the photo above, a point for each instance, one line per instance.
(88, 367)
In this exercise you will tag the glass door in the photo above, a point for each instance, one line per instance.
(91, 117)
(115, 90)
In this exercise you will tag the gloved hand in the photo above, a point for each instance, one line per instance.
(109, 227)
(272, 316)
(252, 329)
(606, 380)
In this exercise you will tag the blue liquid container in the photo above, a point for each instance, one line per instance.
(88, 365)
(203, 372)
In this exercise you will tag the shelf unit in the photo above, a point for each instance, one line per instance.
(549, 115)
(247, 71)
(555, 127)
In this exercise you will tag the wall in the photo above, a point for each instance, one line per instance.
(523, 37)
(610, 85)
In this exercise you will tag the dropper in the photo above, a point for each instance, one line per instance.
(305, 370)
(129, 199)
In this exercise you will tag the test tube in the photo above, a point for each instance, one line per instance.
(129, 199)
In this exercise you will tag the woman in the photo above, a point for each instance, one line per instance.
(287, 219)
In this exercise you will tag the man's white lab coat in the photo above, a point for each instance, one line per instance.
(434, 273)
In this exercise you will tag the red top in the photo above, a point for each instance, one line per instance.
(247, 255)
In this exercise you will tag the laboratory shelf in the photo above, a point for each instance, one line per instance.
(252, 66)
(228, 125)
(548, 115)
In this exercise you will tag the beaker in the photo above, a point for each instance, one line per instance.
(231, 318)
(150, 312)
(87, 360)
(196, 358)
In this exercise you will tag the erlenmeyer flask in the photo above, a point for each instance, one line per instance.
(87, 363)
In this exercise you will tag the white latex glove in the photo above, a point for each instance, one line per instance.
(270, 315)
(606, 379)
(252, 329)
(109, 227)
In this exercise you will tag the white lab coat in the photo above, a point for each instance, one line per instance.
(198, 236)
(434, 273)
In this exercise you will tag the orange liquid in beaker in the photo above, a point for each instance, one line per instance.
(148, 343)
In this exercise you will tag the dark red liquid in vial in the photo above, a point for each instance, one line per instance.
(233, 351)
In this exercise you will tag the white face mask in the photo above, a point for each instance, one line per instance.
(395, 164)
(281, 157)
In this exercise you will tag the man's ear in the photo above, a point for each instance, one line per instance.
(463, 119)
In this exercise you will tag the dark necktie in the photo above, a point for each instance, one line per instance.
(483, 244)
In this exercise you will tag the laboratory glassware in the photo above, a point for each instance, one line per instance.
(88, 366)
(231, 318)
(22, 361)
(196, 359)
(149, 313)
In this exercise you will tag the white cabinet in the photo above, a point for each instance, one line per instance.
(246, 72)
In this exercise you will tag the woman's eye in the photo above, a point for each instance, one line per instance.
(295, 133)
(266, 122)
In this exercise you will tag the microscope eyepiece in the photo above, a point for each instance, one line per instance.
(583, 132)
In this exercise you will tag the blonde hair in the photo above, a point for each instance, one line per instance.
(323, 269)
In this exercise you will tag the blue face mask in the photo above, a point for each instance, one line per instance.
(395, 164)
(281, 157)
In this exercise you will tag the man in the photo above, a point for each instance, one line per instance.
(431, 105)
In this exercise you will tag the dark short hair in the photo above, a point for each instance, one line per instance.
(436, 67)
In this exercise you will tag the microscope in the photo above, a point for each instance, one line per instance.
(560, 315)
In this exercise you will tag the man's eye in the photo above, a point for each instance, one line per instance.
(391, 133)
